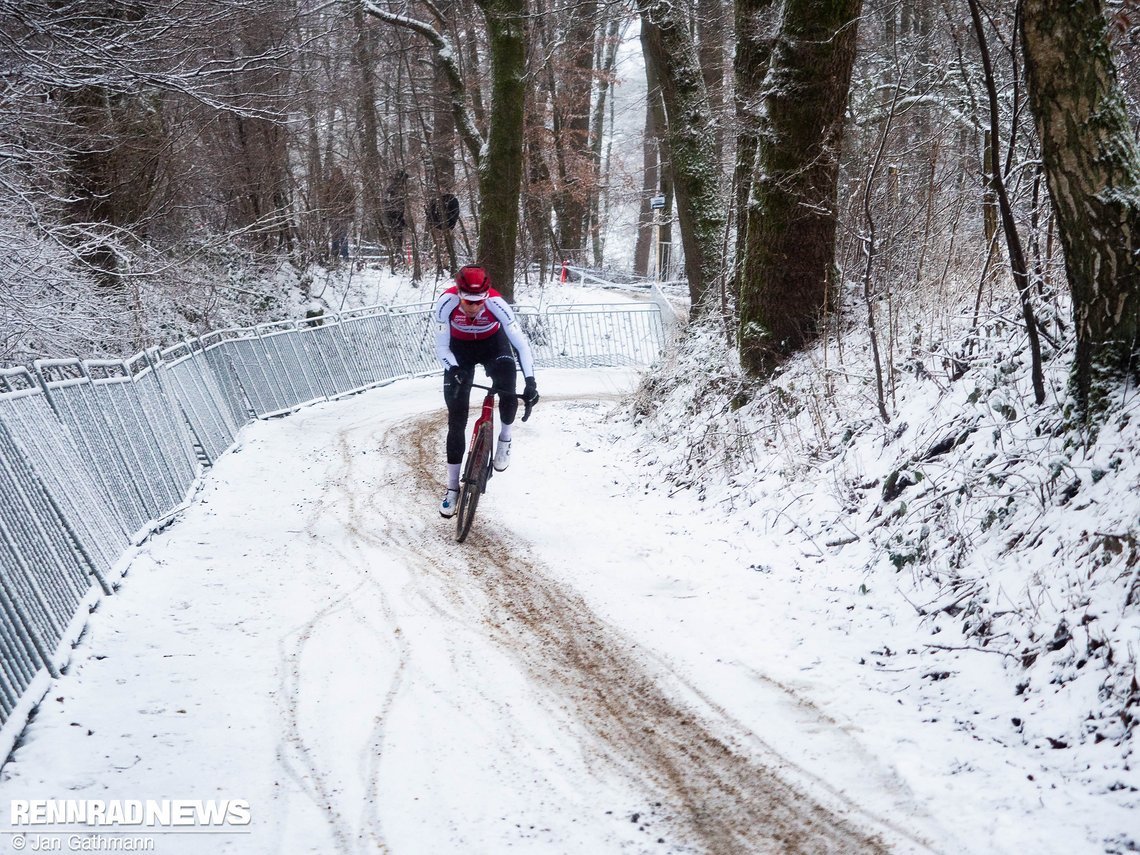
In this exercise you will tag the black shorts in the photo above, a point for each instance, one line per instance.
(497, 357)
(472, 352)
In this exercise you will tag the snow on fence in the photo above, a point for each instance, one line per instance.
(96, 454)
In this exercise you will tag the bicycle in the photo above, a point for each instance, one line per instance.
(478, 470)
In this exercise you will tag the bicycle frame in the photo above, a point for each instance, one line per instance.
(477, 470)
(487, 416)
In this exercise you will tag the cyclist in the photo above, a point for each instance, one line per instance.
(478, 327)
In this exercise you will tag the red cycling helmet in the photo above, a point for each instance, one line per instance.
(473, 283)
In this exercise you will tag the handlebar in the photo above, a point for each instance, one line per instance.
(496, 390)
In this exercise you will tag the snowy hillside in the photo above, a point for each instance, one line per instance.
(983, 551)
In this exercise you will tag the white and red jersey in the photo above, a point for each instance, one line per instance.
(483, 325)
(494, 314)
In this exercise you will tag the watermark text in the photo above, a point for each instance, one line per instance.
(130, 813)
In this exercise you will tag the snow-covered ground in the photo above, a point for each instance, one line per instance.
(613, 662)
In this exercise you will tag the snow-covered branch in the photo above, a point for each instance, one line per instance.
(445, 56)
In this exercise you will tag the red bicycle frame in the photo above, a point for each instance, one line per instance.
(478, 468)
(487, 415)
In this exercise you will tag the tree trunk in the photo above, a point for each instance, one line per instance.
(443, 157)
(789, 256)
(367, 126)
(690, 129)
(651, 170)
(1093, 173)
(754, 39)
(500, 160)
(711, 23)
(540, 242)
(467, 36)
(443, 135)
(572, 128)
(663, 251)
(607, 65)
(500, 172)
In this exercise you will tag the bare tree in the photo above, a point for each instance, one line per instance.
(656, 179)
(500, 167)
(605, 67)
(1009, 227)
(108, 110)
(572, 98)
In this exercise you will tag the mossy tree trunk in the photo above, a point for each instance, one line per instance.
(789, 253)
(690, 130)
(754, 38)
(500, 170)
(1093, 172)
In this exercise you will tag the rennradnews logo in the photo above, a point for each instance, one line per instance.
(130, 813)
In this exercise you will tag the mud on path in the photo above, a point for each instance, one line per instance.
(708, 785)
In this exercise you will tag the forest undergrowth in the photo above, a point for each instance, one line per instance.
(53, 307)
(1010, 529)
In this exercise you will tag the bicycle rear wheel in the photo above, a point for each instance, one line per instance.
(474, 482)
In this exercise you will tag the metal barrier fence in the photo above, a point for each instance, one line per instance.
(593, 336)
(94, 454)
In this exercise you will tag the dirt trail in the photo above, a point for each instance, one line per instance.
(706, 788)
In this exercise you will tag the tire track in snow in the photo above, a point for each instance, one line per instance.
(717, 794)
(343, 507)
(295, 755)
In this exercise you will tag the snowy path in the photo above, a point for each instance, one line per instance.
(309, 638)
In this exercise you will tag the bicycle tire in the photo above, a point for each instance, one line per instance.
(474, 482)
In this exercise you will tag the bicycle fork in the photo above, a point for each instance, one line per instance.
(486, 417)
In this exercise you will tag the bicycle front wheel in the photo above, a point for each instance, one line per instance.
(474, 482)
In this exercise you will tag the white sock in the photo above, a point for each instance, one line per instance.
(453, 475)
(505, 433)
